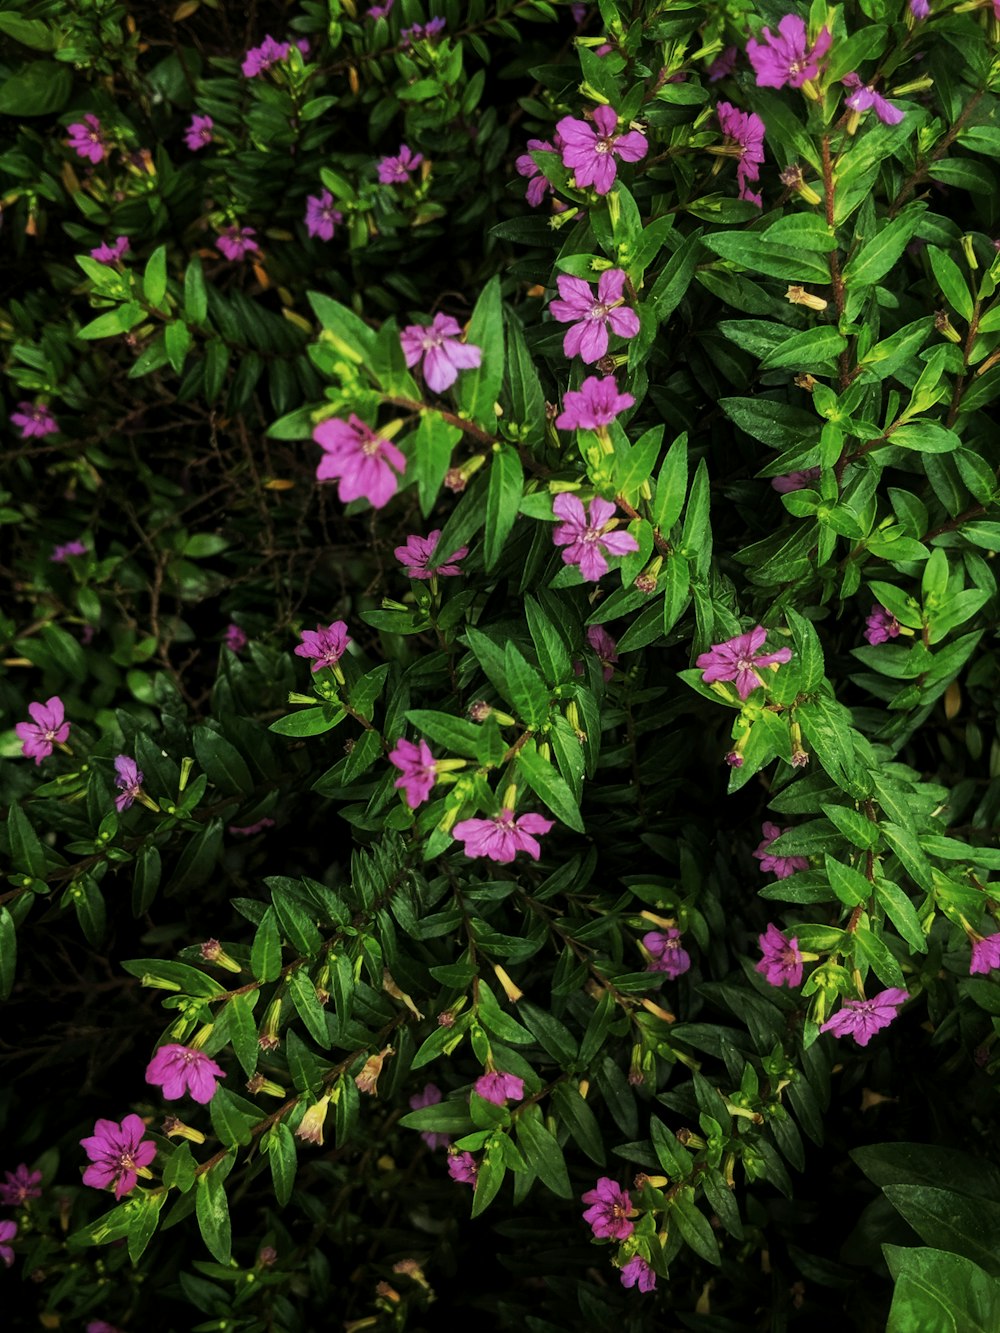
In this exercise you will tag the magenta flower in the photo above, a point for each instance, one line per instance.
(249, 830)
(62, 553)
(637, 1273)
(882, 625)
(46, 729)
(787, 58)
(538, 183)
(609, 1210)
(34, 419)
(735, 660)
(111, 254)
(462, 1166)
(260, 58)
(780, 866)
(861, 1019)
(363, 462)
(782, 962)
(586, 539)
(985, 957)
(101, 1326)
(381, 11)
(920, 9)
(87, 139)
(865, 98)
(795, 481)
(8, 1230)
(396, 170)
(235, 241)
(430, 1096)
(588, 337)
(416, 763)
(117, 1154)
(668, 955)
(590, 153)
(438, 345)
(422, 32)
(198, 134)
(500, 1088)
(605, 648)
(20, 1186)
(416, 556)
(321, 216)
(325, 645)
(502, 837)
(128, 780)
(595, 404)
(235, 640)
(745, 131)
(723, 64)
(179, 1069)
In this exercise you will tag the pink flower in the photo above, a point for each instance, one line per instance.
(500, 1088)
(782, 962)
(62, 553)
(235, 241)
(198, 134)
(430, 1096)
(438, 346)
(235, 640)
(46, 729)
(361, 460)
(590, 153)
(111, 254)
(865, 98)
(321, 216)
(595, 404)
(248, 830)
(723, 64)
(416, 556)
(8, 1230)
(588, 337)
(985, 957)
(260, 58)
(735, 660)
(780, 866)
(586, 539)
(608, 1213)
(605, 648)
(20, 1186)
(396, 170)
(787, 58)
(920, 9)
(34, 420)
(747, 132)
(326, 645)
(117, 1154)
(538, 183)
(380, 11)
(128, 780)
(502, 837)
(179, 1069)
(668, 955)
(416, 764)
(882, 625)
(795, 481)
(87, 139)
(637, 1272)
(462, 1166)
(861, 1019)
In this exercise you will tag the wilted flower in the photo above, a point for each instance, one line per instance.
(363, 462)
(367, 1080)
(179, 1069)
(587, 538)
(34, 420)
(595, 404)
(780, 866)
(396, 170)
(609, 1210)
(588, 337)
(46, 729)
(865, 98)
(735, 660)
(782, 962)
(499, 1088)
(310, 1128)
(235, 241)
(795, 481)
(8, 1230)
(198, 134)
(430, 1096)
(861, 1019)
(439, 347)
(111, 254)
(605, 648)
(118, 1154)
(787, 58)
(325, 644)
(128, 780)
(502, 837)
(882, 625)
(321, 216)
(416, 763)
(746, 131)
(637, 1272)
(667, 953)
(87, 139)
(590, 153)
(462, 1166)
(20, 1185)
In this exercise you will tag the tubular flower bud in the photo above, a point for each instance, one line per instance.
(258, 1083)
(174, 1128)
(799, 296)
(512, 991)
(268, 1039)
(945, 327)
(792, 178)
(367, 1080)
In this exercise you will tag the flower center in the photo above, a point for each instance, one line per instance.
(605, 145)
(126, 1161)
(371, 446)
(599, 311)
(745, 664)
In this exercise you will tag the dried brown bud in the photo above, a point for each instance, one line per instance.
(479, 711)
(799, 296)
(453, 479)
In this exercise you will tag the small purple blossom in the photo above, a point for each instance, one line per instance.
(782, 962)
(745, 130)
(723, 64)
(179, 1069)
(321, 216)
(87, 140)
(595, 404)
(920, 9)
(417, 552)
(396, 170)
(609, 1210)
(198, 134)
(117, 1153)
(587, 538)
(578, 12)
(795, 481)
(787, 58)
(62, 553)
(588, 337)
(985, 957)
(882, 625)
(380, 11)
(34, 420)
(423, 32)
(637, 1273)
(260, 58)
(363, 462)
(416, 763)
(779, 866)
(502, 837)
(667, 953)
(430, 1096)
(325, 644)
(538, 183)
(861, 1019)
(605, 647)
(111, 254)
(235, 639)
(128, 780)
(46, 729)
(438, 346)
(735, 660)
(8, 1230)
(590, 153)
(865, 98)
(462, 1166)
(236, 242)
(499, 1088)
(20, 1186)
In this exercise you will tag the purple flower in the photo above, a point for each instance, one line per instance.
(462, 1166)
(249, 830)
(579, 13)
(502, 837)
(430, 1096)
(500, 1088)
(34, 419)
(637, 1273)
(260, 58)
(920, 9)
(363, 462)
(595, 404)
(985, 957)
(861, 1019)
(588, 337)
(396, 170)
(667, 953)
(538, 183)
(8, 1230)
(117, 1154)
(198, 134)
(865, 98)
(882, 625)
(128, 780)
(609, 1210)
(235, 640)
(795, 481)
(380, 11)
(590, 153)
(326, 645)
(87, 139)
(416, 556)
(780, 866)
(423, 32)
(735, 660)
(321, 216)
(586, 539)
(787, 58)
(101, 1326)
(416, 763)
(20, 1186)
(782, 962)
(111, 254)
(236, 241)
(62, 553)
(179, 1069)
(723, 64)
(605, 648)
(46, 729)
(438, 346)
(745, 130)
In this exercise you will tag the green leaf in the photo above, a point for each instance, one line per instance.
(902, 914)
(542, 1152)
(502, 500)
(671, 485)
(938, 1292)
(848, 884)
(350, 335)
(223, 763)
(27, 854)
(869, 948)
(212, 1211)
(669, 288)
(143, 1221)
(283, 1158)
(265, 954)
(553, 1036)
(39, 88)
(880, 253)
(804, 350)
(856, 828)
(694, 1227)
(751, 251)
(553, 655)
(808, 651)
(8, 952)
(309, 721)
(951, 1221)
(580, 1120)
(524, 389)
(303, 992)
(29, 32)
(243, 1033)
(154, 278)
(294, 918)
(949, 278)
(177, 343)
(492, 1169)
(182, 976)
(195, 295)
(179, 1171)
(477, 390)
(527, 692)
(432, 448)
(550, 787)
(456, 734)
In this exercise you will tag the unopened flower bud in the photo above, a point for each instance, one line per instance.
(512, 991)
(268, 1039)
(944, 326)
(446, 1019)
(174, 1128)
(257, 1083)
(642, 1180)
(799, 296)
(969, 252)
(267, 1257)
(658, 1011)
(800, 756)
(310, 1128)
(213, 952)
(411, 1269)
(792, 178)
